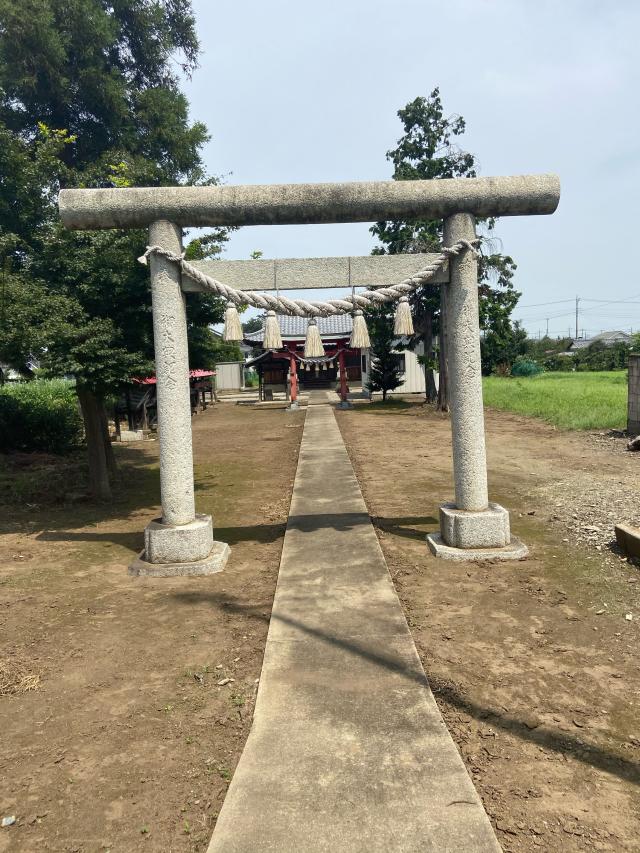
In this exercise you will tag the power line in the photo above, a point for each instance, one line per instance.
(541, 304)
(626, 301)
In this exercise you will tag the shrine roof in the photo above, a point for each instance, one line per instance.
(295, 328)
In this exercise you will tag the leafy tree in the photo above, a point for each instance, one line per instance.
(89, 97)
(426, 151)
(600, 356)
(253, 324)
(385, 374)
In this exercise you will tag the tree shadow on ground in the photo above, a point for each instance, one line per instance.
(261, 533)
(403, 525)
(132, 540)
(587, 753)
(380, 407)
(136, 487)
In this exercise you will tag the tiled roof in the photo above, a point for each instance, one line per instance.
(606, 338)
(337, 326)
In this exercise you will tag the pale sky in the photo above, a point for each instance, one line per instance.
(296, 91)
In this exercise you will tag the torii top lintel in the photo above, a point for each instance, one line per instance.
(300, 204)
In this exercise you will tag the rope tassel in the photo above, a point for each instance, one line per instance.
(272, 336)
(232, 325)
(313, 343)
(359, 332)
(403, 324)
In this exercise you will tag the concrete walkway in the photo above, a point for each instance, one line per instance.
(348, 751)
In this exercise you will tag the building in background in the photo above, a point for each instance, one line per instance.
(340, 366)
(607, 339)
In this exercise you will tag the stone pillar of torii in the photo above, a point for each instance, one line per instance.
(182, 541)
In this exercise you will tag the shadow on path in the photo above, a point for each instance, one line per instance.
(561, 742)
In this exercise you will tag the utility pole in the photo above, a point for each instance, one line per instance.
(547, 334)
(577, 303)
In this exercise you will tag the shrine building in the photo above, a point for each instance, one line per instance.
(341, 369)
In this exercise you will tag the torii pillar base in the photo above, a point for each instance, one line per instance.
(180, 550)
(480, 535)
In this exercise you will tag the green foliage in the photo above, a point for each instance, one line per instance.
(523, 366)
(206, 349)
(90, 97)
(598, 356)
(39, 416)
(103, 108)
(503, 343)
(568, 400)
(104, 72)
(384, 374)
(547, 352)
(253, 324)
(426, 151)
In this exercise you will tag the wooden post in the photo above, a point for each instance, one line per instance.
(294, 379)
(127, 397)
(344, 390)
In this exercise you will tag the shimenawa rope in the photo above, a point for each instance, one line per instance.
(303, 308)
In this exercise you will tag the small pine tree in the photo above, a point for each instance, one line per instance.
(385, 374)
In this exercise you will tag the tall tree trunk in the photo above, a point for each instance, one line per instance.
(443, 379)
(93, 428)
(112, 465)
(431, 392)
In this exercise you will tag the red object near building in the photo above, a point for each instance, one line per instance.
(287, 368)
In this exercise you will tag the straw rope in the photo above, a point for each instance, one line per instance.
(303, 308)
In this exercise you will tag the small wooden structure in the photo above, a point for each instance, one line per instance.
(139, 406)
(288, 370)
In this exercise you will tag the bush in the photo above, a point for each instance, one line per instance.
(524, 366)
(39, 416)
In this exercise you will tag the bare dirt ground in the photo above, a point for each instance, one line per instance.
(534, 664)
(143, 689)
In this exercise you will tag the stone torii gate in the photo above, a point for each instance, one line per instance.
(182, 541)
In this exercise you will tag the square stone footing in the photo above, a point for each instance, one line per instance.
(215, 562)
(487, 528)
(515, 550)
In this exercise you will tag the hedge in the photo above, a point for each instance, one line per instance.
(42, 415)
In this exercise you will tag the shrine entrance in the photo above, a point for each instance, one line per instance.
(182, 541)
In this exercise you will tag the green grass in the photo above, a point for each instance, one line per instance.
(569, 400)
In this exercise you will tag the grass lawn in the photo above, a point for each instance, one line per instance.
(569, 400)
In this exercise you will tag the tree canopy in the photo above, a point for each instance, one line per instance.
(90, 97)
(428, 149)
(384, 372)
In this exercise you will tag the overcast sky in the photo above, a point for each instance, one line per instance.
(294, 91)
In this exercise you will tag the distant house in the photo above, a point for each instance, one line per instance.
(274, 367)
(607, 339)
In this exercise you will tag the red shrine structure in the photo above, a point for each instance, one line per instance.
(287, 368)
